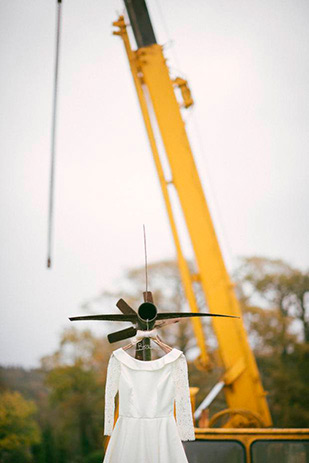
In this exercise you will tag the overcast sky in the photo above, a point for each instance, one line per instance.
(248, 68)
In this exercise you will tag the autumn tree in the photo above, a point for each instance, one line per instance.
(274, 298)
(75, 378)
(18, 428)
(276, 285)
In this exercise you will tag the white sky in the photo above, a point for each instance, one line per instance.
(248, 69)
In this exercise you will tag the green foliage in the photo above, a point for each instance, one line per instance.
(18, 429)
(95, 457)
(287, 379)
(75, 377)
(69, 391)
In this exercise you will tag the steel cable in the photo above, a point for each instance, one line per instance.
(53, 139)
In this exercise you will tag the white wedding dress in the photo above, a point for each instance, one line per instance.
(146, 430)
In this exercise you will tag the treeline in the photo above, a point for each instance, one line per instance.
(54, 414)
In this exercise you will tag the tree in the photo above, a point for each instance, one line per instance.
(75, 378)
(18, 429)
(279, 286)
(274, 298)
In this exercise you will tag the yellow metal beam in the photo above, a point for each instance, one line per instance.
(148, 64)
(204, 361)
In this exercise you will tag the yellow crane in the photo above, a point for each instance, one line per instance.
(157, 98)
(165, 127)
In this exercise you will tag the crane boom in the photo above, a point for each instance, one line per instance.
(156, 93)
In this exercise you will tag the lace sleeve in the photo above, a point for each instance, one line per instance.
(111, 389)
(182, 397)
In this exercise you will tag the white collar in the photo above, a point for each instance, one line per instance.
(147, 365)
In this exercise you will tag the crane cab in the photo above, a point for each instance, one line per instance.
(249, 446)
